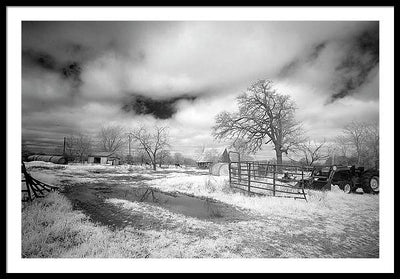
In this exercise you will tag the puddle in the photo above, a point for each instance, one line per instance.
(127, 177)
(201, 208)
(99, 171)
(191, 172)
(90, 198)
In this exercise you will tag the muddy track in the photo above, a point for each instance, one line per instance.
(91, 199)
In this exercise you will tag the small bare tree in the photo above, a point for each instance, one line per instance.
(211, 155)
(356, 134)
(83, 145)
(199, 151)
(360, 140)
(312, 152)
(163, 157)
(264, 116)
(140, 156)
(25, 150)
(178, 158)
(342, 145)
(152, 142)
(372, 142)
(70, 145)
(340, 150)
(112, 138)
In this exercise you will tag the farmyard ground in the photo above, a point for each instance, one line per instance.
(104, 211)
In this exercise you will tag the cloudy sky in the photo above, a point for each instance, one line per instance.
(78, 76)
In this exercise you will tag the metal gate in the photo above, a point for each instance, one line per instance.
(34, 188)
(269, 179)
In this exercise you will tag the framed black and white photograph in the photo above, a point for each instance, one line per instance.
(200, 139)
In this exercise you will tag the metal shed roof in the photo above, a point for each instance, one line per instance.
(103, 154)
(209, 153)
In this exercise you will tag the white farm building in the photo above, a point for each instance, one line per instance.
(103, 158)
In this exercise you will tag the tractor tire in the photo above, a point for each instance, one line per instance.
(346, 186)
(370, 182)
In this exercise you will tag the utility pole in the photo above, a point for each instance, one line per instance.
(64, 146)
(129, 143)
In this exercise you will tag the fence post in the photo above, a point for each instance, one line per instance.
(240, 172)
(273, 180)
(302, 184)
(248, 176)
(230, 174)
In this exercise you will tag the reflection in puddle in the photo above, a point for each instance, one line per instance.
(202, 208)
(91, 197)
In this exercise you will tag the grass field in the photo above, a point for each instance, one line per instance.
(98, 213)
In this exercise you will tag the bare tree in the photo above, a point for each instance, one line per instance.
(342, 144)
(83, 145)
(312, 152)
(112, 138)
(189, 161)
(211, 155)
(151, 141)
(70, 145)
(140, 156)
(340, 150)
(264, 116)
(163, 157)
(178, 158)
(25, 150)
(199, 151)
(356, 134)
(240, 146)
(372, 142)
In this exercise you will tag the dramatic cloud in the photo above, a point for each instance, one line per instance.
(161, 109)
(79, 75)
(362, 57)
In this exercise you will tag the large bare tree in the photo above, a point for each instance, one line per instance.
(112, 138)
(264, 116)
(152, 141)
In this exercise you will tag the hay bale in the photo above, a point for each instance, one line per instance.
(48, 158)
(219, 169)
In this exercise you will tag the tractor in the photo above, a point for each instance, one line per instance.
(348, 178)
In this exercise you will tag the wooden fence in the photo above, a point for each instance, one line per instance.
(34, 188)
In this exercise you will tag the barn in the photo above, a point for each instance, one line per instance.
(103, 158)
(210, 156)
